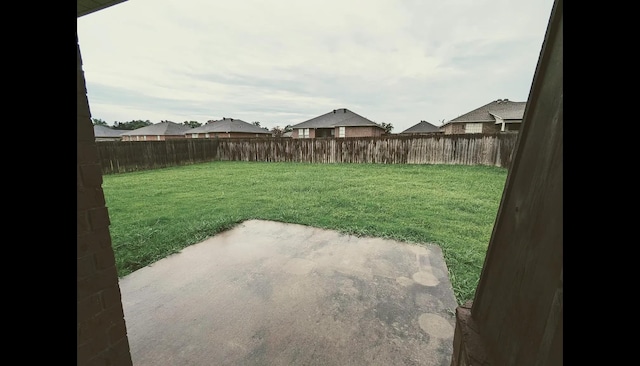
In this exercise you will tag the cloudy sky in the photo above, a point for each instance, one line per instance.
(283, 62)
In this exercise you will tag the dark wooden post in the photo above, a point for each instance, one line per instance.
(517, 313)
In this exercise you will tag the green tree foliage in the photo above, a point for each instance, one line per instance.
(387, 127)
(280, 131)
(277, 131)
(256, 123)
(99, 122)
(192, 124)
(131, 125)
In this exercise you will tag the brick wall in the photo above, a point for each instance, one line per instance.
(490, 128)
(348, 132)
(152, 137)
(458, 128)
(231, 135)
(101, 331)
(236, 135)
(454, 129)
(361, 132)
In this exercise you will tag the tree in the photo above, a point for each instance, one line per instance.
(192, 124)
(277, 131)
(131, 125)
(387, 127)
(99, 122)
(256, 123)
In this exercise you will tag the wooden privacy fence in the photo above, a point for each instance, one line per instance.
(472, 149)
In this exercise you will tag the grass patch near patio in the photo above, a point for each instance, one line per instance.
(159, 212)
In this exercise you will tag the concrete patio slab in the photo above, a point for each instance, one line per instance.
(269, 293)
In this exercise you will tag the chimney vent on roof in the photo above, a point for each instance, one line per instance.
(334, 111)
(345, 110)
(505, 100)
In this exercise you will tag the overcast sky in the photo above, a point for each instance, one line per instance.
(283, 62)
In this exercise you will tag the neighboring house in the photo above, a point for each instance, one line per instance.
(287, 134)
(157, 132)
(227, 128)
(337, 123)
(422, 128)
(498, 116)
(104, 133)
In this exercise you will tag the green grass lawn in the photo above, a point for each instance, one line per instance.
(156, 213)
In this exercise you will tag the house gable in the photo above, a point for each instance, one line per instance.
(423, 127)
(104, 133)
(491, 117)
(340, 121)
(156, 132)
(229, 125)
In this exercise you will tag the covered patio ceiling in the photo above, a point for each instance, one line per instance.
(85, 7)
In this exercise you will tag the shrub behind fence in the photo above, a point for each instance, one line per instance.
(473, 149)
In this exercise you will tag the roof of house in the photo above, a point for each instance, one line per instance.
(504, 108)
(513, 114)
(421, 127)
(227, 125)
(104, 131)
(167, 128)
(337, 118)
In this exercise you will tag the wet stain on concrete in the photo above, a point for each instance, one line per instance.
(425, 278)
(299, 266)
(435, 325)
(257, 356)
(267, 293)
(260, 285)
(404, 281)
